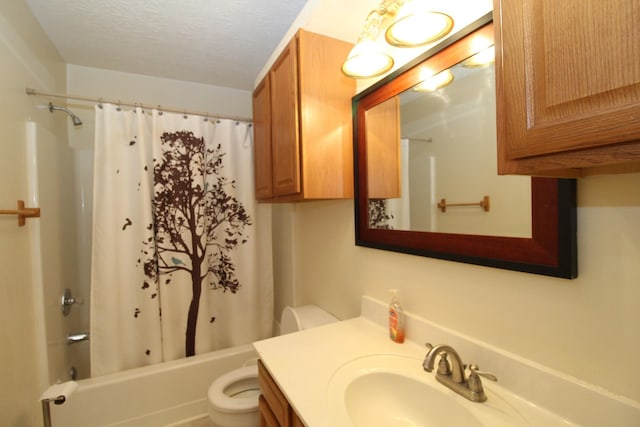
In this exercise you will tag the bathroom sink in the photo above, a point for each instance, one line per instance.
(394, 391)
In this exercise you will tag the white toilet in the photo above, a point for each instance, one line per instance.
(233, 397)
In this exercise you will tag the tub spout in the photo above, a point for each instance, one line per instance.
(74, 338)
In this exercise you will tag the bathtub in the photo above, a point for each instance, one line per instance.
(150, 396)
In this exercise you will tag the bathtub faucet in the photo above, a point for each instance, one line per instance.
(74, 338)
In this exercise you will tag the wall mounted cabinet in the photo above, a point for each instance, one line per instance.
(568, 86)
(302, 120)
(383, 150)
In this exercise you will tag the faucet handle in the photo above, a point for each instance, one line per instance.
(474, 384)
(474, 369)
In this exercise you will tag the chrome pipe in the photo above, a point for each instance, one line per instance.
(76, 120)
(46, 414)
(46, 410)
(74, 338)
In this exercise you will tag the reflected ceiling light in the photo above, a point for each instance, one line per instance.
(481, 59)
(416, 25)
(435, 82)
(413, 25)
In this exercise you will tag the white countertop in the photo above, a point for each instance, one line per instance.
(303, 363)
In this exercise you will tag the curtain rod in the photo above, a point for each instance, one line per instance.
(134, 104)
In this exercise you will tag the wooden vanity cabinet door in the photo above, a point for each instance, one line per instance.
(568, 84)
(267, 418)
(262, 140)
(296, 421)
(276, 401)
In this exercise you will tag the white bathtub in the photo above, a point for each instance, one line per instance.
(151, 396)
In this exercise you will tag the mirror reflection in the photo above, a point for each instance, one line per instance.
(432, 156)
(425, 171)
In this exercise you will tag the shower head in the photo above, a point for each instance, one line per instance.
(76, 120)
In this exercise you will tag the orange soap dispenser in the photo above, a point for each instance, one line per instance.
(396, 318)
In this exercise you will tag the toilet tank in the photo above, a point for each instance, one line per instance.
(303, 317)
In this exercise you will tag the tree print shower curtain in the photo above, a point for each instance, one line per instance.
(181, 258)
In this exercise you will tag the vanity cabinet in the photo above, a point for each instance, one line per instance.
(568, 86)
(273, 407)
(302, 123)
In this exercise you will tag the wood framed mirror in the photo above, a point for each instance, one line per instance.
(395, 123)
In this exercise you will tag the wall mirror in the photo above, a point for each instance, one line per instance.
(426, 173)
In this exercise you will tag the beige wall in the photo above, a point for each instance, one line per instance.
(586, 328)
(28, 60)
(128, 87)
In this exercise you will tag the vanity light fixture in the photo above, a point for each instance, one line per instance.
(367, 59)
(413, 24)
(435, 82)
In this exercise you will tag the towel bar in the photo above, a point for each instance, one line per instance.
(22, 212)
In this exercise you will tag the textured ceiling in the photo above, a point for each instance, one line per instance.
(217, 42)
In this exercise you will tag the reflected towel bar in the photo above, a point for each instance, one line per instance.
(484, 204)
(22, 213)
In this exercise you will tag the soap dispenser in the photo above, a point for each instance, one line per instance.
(396, 318)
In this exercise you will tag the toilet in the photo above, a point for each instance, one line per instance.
(233, 397)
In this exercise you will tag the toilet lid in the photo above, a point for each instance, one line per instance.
(225, 403)
(289, 321)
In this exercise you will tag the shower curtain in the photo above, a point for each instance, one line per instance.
(181, 257)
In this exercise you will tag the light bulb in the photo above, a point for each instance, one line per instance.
(417, 26)
(367, 59)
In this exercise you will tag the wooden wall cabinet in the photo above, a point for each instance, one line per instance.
(568, 86)
(273, 407)
(383, 150)
(302, 123)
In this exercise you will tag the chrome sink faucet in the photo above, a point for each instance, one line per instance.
(451, 372)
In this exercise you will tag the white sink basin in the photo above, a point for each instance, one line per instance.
(394, 391)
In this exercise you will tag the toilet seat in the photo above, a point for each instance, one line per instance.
(242, 410)
(227, 404)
